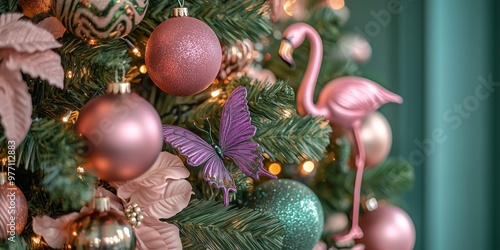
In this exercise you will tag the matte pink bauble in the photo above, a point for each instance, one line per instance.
(387, 228)
(14, 212)
(376, 135)
(183, 56)
(124, 135)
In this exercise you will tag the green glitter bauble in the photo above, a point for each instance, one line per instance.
(96, 20)
(296, 206)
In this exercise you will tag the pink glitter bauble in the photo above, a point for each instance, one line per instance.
(123, 134)
(183, 56)
(387, 228)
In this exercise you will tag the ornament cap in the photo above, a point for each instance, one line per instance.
(180, 12)
(3, 178)
(370, 204)
(102, 204)
(119, 88)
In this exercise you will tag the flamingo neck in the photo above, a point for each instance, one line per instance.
(305, 95)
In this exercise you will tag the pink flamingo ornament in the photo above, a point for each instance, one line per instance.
(345, 101)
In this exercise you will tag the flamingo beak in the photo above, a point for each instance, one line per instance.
(286, 51)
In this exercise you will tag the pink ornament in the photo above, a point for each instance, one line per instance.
(183, 56)
(263, 75)
(14, 215)
(124, 135)
(345, 101)
(161, 192)
(356, 47)
(376, 136)
(387, 228)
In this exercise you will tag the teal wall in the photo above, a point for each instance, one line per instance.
(433, 53)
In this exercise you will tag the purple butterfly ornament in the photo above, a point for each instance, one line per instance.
(235, 131)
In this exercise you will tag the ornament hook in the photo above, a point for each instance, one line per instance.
(181, 4)
(123, 74)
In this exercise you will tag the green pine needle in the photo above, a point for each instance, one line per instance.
(210, 225)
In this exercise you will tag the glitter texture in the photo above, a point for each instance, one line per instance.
(183, 56)
(296, 206)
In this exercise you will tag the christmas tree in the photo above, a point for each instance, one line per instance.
(164, 124)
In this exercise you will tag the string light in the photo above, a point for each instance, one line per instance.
(80, 170)
(131, 46)
(275, 168)
(69, 74)
(70, 116)
(289, 7)
(215, 93)
(143, 69)
(287, 113)
(36, 240)
(307, 168)
(136, 52)
(336, 4)
(93, 42)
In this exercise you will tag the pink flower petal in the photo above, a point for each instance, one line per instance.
(45, 64)
(158, 236)
(55, 232)
(52, 25)
(24, 36)
(15, 107)
(9, 18)
(167, 166)
(165, 200)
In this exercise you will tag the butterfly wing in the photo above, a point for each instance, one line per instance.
(197, 151)
(194, 148)
(235, 131)
(215, 173)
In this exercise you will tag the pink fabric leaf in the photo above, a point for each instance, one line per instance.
(157, 235)
(166, 166)
(8, 18)
(24, 36)
(166, 200)
(52, 25)
(46, 65)
(15, 107)
(55, 232)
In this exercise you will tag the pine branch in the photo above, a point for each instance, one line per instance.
(295, 139)
(209, 225)
(8, 6)
(17, 243)
(231, 20)
(391, 178)
(334, 180)
(284, 135)
(88, 71)
(55, 149)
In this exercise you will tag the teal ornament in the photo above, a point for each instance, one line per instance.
(97, 20)
(296, 206)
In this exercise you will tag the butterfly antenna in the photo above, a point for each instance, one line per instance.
(209, 133)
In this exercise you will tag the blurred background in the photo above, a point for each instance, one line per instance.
(442, 57)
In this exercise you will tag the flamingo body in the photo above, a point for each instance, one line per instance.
(347, 100)
(344, 100)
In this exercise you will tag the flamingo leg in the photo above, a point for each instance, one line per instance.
(355, 232)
